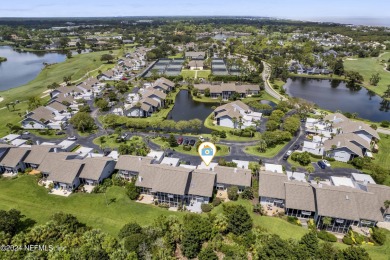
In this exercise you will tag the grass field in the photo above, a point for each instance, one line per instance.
(197, 73)
(76, 67)
(223, 150)
(34, 202)
(109, 141)
(271, 152)
(368, 66)
(383, 156)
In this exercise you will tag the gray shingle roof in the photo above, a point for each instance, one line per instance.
(336, 202)
(382, 192)
(299, 195)
(37, 154)
(161, 178)
(14, 156)
(65, 171)
(202, 183)
(132, 163)
(94, 167)
(271, 184)
(51, 159)
(233, 176)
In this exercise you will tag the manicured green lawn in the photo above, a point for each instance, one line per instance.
(223, 150)
(76, 67)
(272, 224)
(110, 141)
(269, 153)
(177, 56)
(368, 66)
(383, 156)
(188, 73)
(24, 194)
(33, 201)
(203, 73)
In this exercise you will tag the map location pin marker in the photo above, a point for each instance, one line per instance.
(207, 152)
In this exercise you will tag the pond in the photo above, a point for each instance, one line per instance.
(22, 67)
(186, 109)
(335, 95)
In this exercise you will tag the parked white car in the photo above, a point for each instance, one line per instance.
(326, 163)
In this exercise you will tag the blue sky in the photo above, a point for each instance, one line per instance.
(296, 9)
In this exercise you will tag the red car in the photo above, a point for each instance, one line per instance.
(180, 140)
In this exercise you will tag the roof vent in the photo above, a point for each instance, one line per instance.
(360, 127)
(235, 169)
(338, 144)
(139, 178)
(140, 158)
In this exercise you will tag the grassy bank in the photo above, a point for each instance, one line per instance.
(109, 141)
(368, 66)
(76, 67)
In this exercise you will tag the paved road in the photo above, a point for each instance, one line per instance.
(266, 75)
(383, 131)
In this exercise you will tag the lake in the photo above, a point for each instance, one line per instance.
(22, 67)
(186, 109)
(335, 95)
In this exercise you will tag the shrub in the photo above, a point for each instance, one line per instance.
(292, 220)
(347, 240)
(385, 123)
(206, 207)
(379, 236)
(247, 194)
(187, 147)
(326, 236)
(232, 192)
(217, 202)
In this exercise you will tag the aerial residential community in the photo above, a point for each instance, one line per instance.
(215, 137)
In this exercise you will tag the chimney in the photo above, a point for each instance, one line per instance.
(360, 127)
(346, 197)
(55, 150)
(140, 158)
(320, 185)
(235, 169)
(38, 143)
(139, 178)
(338, 144)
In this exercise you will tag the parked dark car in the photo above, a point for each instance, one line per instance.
(321, 164)
(285, 157)
(180, 140)
(186, 142)
(192, 142)
(296, 147)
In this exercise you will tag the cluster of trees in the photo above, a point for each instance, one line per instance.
(83, 122)
(229, 233)
(113, 121)
(301, 158)
(378, 172)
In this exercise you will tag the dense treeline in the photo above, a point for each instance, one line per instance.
(230, 234)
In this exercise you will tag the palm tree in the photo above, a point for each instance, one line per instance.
(240, 123)
(387, 205)
(234, 119)
(317, 180)
(262, 145)
(164, 147)
(355, 115)
(326, 221)
(32, 124)
(322, 136)
(293, 169)
(214, 139)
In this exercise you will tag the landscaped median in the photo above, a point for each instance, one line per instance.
(223, 150)
(269, 153)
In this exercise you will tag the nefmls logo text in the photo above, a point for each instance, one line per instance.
(38, 247)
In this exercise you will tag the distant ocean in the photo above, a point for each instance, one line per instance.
(357, 21)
